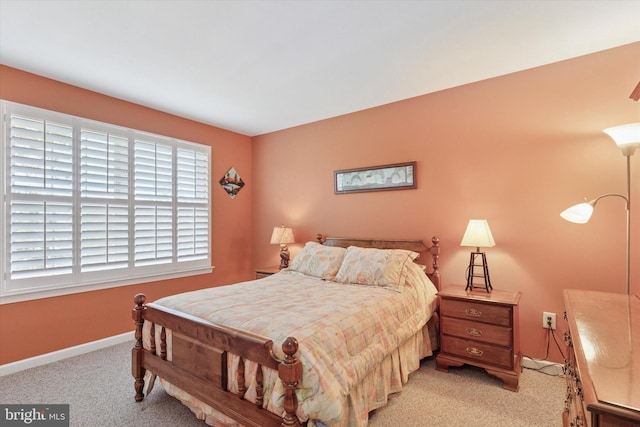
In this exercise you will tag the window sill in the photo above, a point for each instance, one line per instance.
(49, 293)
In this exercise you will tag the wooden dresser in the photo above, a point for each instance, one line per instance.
(480, 329)
(602, 368)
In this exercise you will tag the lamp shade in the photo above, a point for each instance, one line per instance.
(579, 214)
(627, 137)
(478, 234)
(282, 236)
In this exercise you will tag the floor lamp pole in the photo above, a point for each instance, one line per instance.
(628, 220)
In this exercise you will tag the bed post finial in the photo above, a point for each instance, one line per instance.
(290, 373)
(321, 238)
(435, 255)
(137, 353)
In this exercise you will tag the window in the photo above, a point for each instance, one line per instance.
(89, 204)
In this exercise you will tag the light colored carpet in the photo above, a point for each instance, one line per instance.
(99, 388)
(467, 396)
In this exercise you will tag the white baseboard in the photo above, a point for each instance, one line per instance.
(65, 353)
(539, 365)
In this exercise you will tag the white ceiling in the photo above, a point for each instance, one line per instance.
(255, 66)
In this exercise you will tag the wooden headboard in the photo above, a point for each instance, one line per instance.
(411, 245)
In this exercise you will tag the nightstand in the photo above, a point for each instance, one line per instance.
(481, 329)
(266, 271)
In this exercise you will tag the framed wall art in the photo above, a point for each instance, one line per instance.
(231, 182)
(397, 176)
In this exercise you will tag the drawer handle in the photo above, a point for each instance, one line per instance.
(474, 351)
(473, 312)
(473, 332)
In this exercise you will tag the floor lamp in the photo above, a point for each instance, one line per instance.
(627, 137)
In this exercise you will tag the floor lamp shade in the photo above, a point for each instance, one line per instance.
(580, 213)
(478, 235)
(627, 137)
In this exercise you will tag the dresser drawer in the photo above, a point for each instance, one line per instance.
(479, 352)
(477, 312)
(493, 334)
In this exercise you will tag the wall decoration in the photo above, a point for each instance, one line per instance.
(232, 183)
(398, 176)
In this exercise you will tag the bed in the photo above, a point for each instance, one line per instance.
(335, 359)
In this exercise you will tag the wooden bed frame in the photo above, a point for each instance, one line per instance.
(200, 348)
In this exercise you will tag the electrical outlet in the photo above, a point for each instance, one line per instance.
(548, 317)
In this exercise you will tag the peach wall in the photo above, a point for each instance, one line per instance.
(36, 327)
(516, 150)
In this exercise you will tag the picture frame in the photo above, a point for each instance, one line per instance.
(396, 176)
(231, 182)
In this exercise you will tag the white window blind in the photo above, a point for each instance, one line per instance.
(40, 209)
(193, 188)
(83, 198)
(104, 191)
(153, 243)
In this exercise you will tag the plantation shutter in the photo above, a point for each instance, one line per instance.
(193, 209)
(40, 197)
(104, 192)
(88, 204)
(153, 216)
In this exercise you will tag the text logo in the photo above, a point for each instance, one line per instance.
(34, 415)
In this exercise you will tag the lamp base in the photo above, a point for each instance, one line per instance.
(483, 274)
(284, 256)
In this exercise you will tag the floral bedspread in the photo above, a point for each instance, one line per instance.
(343, 330)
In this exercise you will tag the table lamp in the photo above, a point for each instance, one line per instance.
(282, 236)
(479, 235)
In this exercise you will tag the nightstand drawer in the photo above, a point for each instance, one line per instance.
(479, 352)
(468, 329)
(477, 312)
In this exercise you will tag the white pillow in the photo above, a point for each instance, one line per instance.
(317, 260)
(375, 267)
(417, 278)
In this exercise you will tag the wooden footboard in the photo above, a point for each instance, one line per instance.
(198, 363)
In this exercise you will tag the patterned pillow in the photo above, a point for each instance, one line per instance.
(376, 267)
(317, 260)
